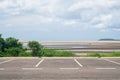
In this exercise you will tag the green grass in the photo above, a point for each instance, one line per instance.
(93, 55)
(25, 54)
(113, 54)
(57, 53)
(61, 53)
(45, 53)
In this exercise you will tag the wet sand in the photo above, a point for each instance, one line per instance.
(83, 46)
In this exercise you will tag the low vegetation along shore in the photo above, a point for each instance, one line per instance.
(99, 55)
(11, 47)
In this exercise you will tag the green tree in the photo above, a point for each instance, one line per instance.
(2, 44)
(13, 47)
(12, 42)
(36, 48)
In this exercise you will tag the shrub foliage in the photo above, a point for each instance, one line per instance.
(10, 47)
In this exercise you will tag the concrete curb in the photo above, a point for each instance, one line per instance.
(56, 57)
(19, 57)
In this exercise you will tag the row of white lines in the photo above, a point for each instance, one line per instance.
(74, 60)
(67, 68)
(1, 69)
(6, 61)
(112, 61)
(43, 60)
(79, 62)
(60, 68)
(39, 63)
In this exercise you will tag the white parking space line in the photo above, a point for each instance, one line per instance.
(78, 63)
(105, 68)
(39, 63)
(69, 68)
(32, 69)
(6, 61)
(112, 61)
(2, 69)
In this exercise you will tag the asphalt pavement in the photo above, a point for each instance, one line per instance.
(59, 68)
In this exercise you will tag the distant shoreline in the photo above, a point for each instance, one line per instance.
(70, 40)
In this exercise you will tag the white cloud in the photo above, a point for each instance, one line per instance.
(101, 25)
(18, 6)
(28, 20)
(106, 17)
(102, 21)
(70, 22)
(11, 7)
(60, 17)
(91, 4)
(80, 13)
(110, 30)
(104, 30)
(4, 4)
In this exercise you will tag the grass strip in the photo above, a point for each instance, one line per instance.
(99, 55)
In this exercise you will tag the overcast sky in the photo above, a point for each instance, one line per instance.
(60, 19)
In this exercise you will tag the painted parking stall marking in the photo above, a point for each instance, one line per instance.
(6, 61)
(112, 61)
(105, 68)
(1, 69)
(32, 69)
(61, 67)
(39, 63)
(78, 63)
(68, 68)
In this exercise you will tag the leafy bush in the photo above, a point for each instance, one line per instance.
(2, 43)
(1, 54)
(5, 55)
(36, 48)
(13, 51)
(12, 42)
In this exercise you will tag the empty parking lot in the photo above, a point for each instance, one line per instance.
(59, 68)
